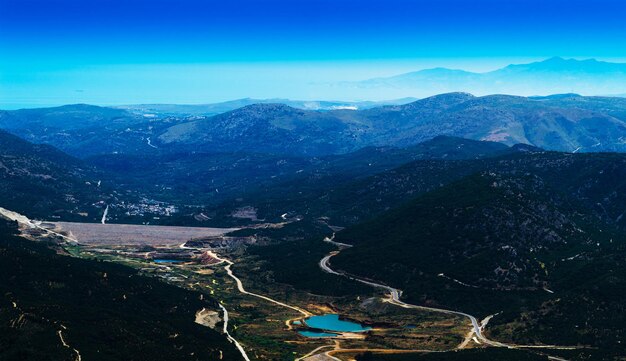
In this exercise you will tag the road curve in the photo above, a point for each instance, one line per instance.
(313, 352)
(66, 345)
(395, 294)
(394, 298)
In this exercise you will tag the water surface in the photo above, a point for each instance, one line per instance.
(331, 322)
(315, 334)
(167, 261)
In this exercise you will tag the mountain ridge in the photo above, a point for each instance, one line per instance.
(561, 122)
(553, 75)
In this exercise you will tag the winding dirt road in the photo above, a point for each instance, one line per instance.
(394, 298)
(241, 289)
(230, 338)
(66, 345)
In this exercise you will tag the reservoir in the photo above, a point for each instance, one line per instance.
(331, 322)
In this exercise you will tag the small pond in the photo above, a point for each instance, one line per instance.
(314, 334)
(167, 261)
(331, 322)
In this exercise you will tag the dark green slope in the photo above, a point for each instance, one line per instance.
(42, 181)
(82, 130)
(105, 311)
(212, 178)
(486, 230)
(520, 241)
(598, 180)
(352, 187)
(513, 228)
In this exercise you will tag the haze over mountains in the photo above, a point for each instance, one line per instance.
(216, 108)
(551, 76)
(555, 75)
(366, 89)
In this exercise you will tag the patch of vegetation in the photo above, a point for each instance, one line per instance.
(295, 261)
(104, 310)
(517, 245)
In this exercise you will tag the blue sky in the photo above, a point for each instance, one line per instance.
(193, 51)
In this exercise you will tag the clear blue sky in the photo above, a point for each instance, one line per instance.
(194, 51)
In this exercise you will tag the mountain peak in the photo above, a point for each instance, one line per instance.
(442, 100)
(567, 65)
(556, 59)
(263, 109)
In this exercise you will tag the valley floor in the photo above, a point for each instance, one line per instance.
(262, 318)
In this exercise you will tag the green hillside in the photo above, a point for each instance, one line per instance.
(104, 311)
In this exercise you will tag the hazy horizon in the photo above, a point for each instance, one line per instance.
(197, 52)
(319, 90)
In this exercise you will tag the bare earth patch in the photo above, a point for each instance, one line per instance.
(131, 234)
(207, 318)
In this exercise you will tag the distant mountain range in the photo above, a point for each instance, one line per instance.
(554, 75)
(566, 122)
(217, 108)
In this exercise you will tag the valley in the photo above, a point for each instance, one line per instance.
(257, 323)
(312, 180)
(189, 258)
(446, 246)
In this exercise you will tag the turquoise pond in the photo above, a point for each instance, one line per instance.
(167, 261)
(314, 334)
(331, 322)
